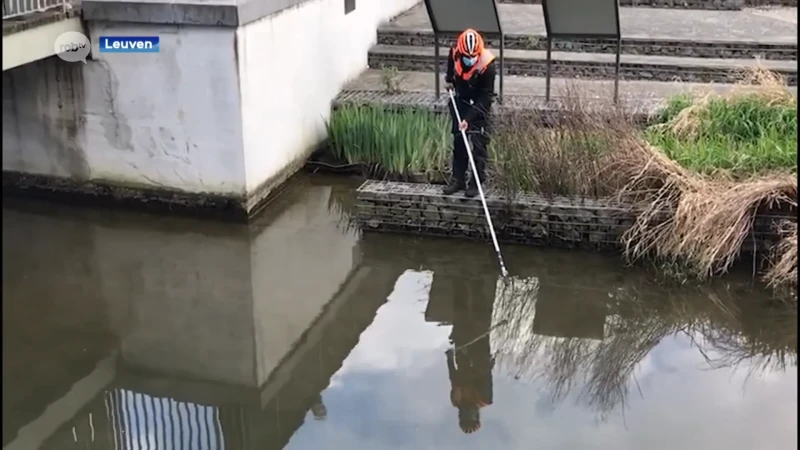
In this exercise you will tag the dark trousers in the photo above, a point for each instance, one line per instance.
(479, 142)
(479, 137)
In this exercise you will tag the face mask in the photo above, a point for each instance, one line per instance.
(469, 62)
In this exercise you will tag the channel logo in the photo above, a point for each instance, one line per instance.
(72, 46)
(129, 44)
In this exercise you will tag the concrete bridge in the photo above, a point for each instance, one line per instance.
(230, 106)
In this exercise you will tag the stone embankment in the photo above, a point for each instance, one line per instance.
(596, 224)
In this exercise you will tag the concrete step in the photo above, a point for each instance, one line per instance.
(590, 65)
(630, 45)
(416, 89)
(768, 34)
(687, 4)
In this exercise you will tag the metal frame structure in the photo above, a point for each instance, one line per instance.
(556, 35)
(17, 8)
(438, 32)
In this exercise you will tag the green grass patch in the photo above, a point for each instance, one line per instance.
(744, 135)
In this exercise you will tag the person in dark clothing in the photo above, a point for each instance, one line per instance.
(470, 74)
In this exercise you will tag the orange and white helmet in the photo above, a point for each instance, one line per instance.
(470, 43)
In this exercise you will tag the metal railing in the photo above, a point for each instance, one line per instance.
(17, 8)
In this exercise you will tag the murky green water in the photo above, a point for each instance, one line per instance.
(126, 331)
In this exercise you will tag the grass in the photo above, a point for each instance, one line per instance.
(741, 135)
(402, 143)
(699, 175)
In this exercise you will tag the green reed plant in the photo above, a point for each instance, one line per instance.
(401, 142)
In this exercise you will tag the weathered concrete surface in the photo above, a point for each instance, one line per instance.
(788, 15)
(592, 65)
(639, 98)
(371, 80)
(642, 23)
(522, 218)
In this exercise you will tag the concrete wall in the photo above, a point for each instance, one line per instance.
(43, 119)
(291, 66)
(137, 119)
(170, 119)
(222, 110)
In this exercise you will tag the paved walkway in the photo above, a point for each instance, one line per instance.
(370, 80)
(641, 60)
(771, 25)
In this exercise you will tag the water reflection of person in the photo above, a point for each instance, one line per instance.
(469, 363)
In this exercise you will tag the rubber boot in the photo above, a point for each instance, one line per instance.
(472, 187)
(453, 187)
(471, 191)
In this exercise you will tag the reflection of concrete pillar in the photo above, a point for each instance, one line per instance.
(223, 302)
(54, 319)
(296, 385)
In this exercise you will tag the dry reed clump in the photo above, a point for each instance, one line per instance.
(783, 272)
(700, 221)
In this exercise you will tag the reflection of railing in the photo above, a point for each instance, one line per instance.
(140, 421)
(120, 419)
(15, 8)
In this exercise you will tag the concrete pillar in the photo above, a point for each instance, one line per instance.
(230, 107)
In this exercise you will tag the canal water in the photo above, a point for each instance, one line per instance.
(129, 331)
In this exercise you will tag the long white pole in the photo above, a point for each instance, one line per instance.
(480, 188)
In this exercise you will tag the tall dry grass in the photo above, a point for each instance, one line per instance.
(702, 220)
(566, 157)
(783, 272)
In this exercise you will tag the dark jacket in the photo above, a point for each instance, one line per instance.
(475, 94)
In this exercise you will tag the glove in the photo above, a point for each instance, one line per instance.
(448, 86)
